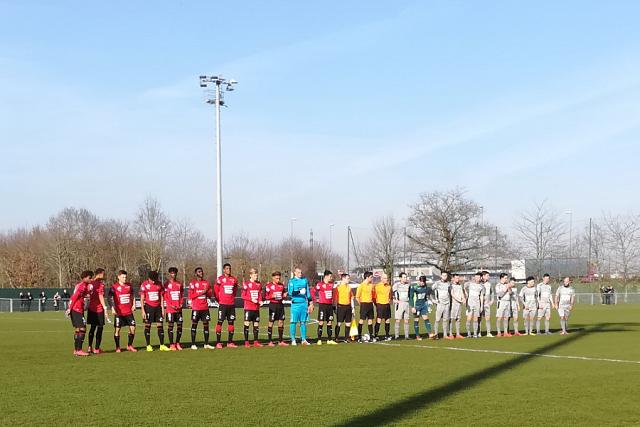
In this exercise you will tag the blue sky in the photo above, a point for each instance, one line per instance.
(345, 111)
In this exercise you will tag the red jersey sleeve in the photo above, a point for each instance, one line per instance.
(191, 292)
(245, 293)
(209, 290)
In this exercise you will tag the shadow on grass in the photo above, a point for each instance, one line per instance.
(396, 411)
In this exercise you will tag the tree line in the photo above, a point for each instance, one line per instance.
(444, 229)
(73, 240)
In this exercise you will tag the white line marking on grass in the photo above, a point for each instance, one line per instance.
(517, 353)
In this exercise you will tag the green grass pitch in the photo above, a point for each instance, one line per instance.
(406, 383)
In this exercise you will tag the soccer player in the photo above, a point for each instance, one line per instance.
(515, 306)
(97, 311)
(382, 295)
(174, 299)
(529, 299)
(252, 297)
(323, 296)
(122, 303)
(364, 296)
(419, 299)
(152, 306)
(545, 303)
(76, 312)
(402, 306)
(489, 296)
(503, 295)
(199, 293)
(225, 290)
(442, 295)
(475, 302)
(301, 305)
(275, 293)
(344, 306)
(565, 298)
(458, 298)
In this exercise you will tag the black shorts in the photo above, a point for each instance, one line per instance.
(252, 315)
(325, 312)
(226, 312)
(127, 320)
(152, 314)
(77, 319)
(95, 318)
(344, 314)
(366, 310)
(383, 311)
(276, 311)
(200, 315)
(174, 317)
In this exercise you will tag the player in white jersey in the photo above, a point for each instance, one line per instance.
(503, 310)
(565, 298)
(442, 298)
(489, 296)
(402, 308)
(515, 306)
(545, 303)
(529, 299)
(475, 303)
(458, 298)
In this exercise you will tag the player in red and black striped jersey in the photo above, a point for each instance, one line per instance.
(174, 299)
(322, 294)
(97, 311)
(225, 291)
(123, 305)
(152, 306)
(76, 312)
(199, 293)
(275, 293)
(252, 296)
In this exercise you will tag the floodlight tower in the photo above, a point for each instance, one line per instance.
(215, 97)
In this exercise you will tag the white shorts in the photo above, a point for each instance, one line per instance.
(473, 311)
(544, 311)
(528, 312)
(402, 310)
(503, 310)
(442, 312)
(564, 311)
(456, 309)
(486, 311)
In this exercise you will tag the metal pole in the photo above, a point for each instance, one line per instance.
(218, 183)
(348, 247)
(404, 251)
(589, 258)
(291, 268)
(495, 261)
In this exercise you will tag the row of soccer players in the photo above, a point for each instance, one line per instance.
(159, 301)
(479, 295)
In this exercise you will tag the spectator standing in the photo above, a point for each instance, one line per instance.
(29, 299)
(43, 301)
(65, 298)
(56, 301)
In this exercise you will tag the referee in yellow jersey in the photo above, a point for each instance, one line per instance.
(382, 293)
(343, 297)
(364, 296)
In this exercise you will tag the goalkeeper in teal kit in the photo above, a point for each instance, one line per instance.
(301, 305)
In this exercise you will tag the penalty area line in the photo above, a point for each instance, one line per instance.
(516, 353)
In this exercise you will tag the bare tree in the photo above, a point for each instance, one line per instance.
(446, 230)
(384, 246)
(623, 240)
(153, 227)
(186, 246)
(540, 231)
